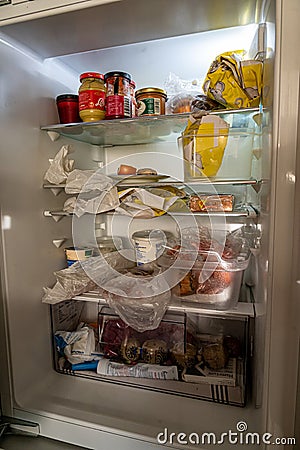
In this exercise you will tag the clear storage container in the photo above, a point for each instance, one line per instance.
(210, 278)
(222, 155)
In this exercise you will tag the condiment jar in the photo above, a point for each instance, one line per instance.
(118, 98)
(68, 109)
(92, 97)
(151, 101)
(133, 100)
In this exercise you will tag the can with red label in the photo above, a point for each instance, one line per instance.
(92, 97)
(118, 98)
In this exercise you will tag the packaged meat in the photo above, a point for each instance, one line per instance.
(210, 202)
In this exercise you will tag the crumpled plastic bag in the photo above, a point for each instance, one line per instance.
(97, 193)
(93, 202)
(204, 142)
(233, 82)
(141, 302)
(146, 203)
(87, 181)
(60, 166)
(77, 346)
(84, 276)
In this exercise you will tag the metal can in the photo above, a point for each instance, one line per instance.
(92, 97)
(118, 98)
(151, 101)
(149, 245)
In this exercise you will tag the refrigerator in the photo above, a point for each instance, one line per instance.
(44, 47)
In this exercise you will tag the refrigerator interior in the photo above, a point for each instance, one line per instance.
(37, 66)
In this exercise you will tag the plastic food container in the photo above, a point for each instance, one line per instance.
(74, 254)
(222, 155)
(213, 283)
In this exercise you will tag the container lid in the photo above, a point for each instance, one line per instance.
(151, 90)
(145, 234)
(100, 76)
(117, 74)
(67, 97)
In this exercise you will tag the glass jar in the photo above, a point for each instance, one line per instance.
(151, 101)
(118, 98)
(67, 107)
(92, 97)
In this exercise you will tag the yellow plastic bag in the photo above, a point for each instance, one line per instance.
(233, 82)
(203, 146)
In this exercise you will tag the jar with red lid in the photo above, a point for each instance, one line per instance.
(118, 98)
(68, 109)
(92, 97)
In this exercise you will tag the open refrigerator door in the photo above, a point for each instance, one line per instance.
(163, 282)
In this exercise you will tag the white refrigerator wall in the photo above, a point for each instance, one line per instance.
(91, 413)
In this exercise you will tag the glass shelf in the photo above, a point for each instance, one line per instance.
(171, 182)
(140, 130)
(244, 211)
(176, 305)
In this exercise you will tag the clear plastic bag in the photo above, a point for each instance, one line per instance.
(141, 302)
(85, 276)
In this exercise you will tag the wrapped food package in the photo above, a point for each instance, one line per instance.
(210, 202)
(203, 143)
(233, 82)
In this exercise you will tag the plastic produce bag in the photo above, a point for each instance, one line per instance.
(234, 83)
(60, 166)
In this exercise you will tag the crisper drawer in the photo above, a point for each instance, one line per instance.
(202, 356)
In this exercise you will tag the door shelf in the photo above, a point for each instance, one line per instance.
(139, 130)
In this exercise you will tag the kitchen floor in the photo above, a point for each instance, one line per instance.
(34, 443)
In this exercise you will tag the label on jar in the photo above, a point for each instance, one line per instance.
(117, 86)
(92, 99)
(149, 106)
(118, 106)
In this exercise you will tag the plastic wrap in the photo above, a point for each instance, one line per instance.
(181, 93)
(77, 346)
(141, 302)
(84, 276)
(60, 166)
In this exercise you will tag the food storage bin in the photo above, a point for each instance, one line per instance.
(120, 342)
(226, 155)
(206, 277)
